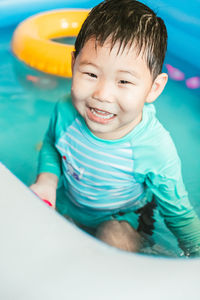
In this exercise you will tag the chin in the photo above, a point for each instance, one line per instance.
(98, 128)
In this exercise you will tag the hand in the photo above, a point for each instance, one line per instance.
(45, 187)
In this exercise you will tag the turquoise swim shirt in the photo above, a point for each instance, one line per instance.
(106, 176)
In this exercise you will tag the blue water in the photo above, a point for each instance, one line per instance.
(25, 107)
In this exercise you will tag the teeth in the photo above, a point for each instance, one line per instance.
(100, 111)
(102, 114)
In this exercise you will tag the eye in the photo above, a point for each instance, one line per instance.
(91, 75)
(124, 82)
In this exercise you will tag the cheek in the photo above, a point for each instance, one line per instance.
(132, 100)
(127, 103)
(76, 90)
(79, 87)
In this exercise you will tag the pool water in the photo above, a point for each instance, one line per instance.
(27, 98)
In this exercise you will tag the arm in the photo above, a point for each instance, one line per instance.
(49, 168)
(159, 166)
(179, 215)
(45, 187)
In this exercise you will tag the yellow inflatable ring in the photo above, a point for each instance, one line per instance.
(32, 42)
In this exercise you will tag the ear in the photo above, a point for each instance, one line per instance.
(72, 60)
(157, 87)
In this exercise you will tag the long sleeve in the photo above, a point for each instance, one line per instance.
(63, 115)
(177, 211)
(49, 158)
(157, 162)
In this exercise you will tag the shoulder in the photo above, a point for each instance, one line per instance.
(65, 107)
(64, 111)
(155, 148)
(63, 116)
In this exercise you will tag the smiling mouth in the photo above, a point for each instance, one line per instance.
(100, 116)
(101, 113)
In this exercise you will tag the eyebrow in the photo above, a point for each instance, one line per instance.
(86, 62)
(131, 72)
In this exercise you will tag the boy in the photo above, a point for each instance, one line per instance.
(105, 139)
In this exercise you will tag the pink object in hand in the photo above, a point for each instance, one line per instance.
(47, 202)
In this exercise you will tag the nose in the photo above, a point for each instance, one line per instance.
(103, 91)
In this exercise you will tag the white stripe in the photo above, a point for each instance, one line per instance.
(72, 199)
(96, 160)
(80, 196)
(110, 192)
(91, 167)
(90, 187)
(73, 182)
(89, 194)
(120, 195)
(114, 180)
(105, 179)
(129, 151)
(97, 169)
(117, 204)
(102, 189)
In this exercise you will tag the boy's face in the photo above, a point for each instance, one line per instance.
(109, 89)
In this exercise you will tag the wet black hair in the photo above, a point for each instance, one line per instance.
(127, 22)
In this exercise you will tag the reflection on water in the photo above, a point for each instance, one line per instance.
(27, 99)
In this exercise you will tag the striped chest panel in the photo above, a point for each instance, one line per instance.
(98, 175)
